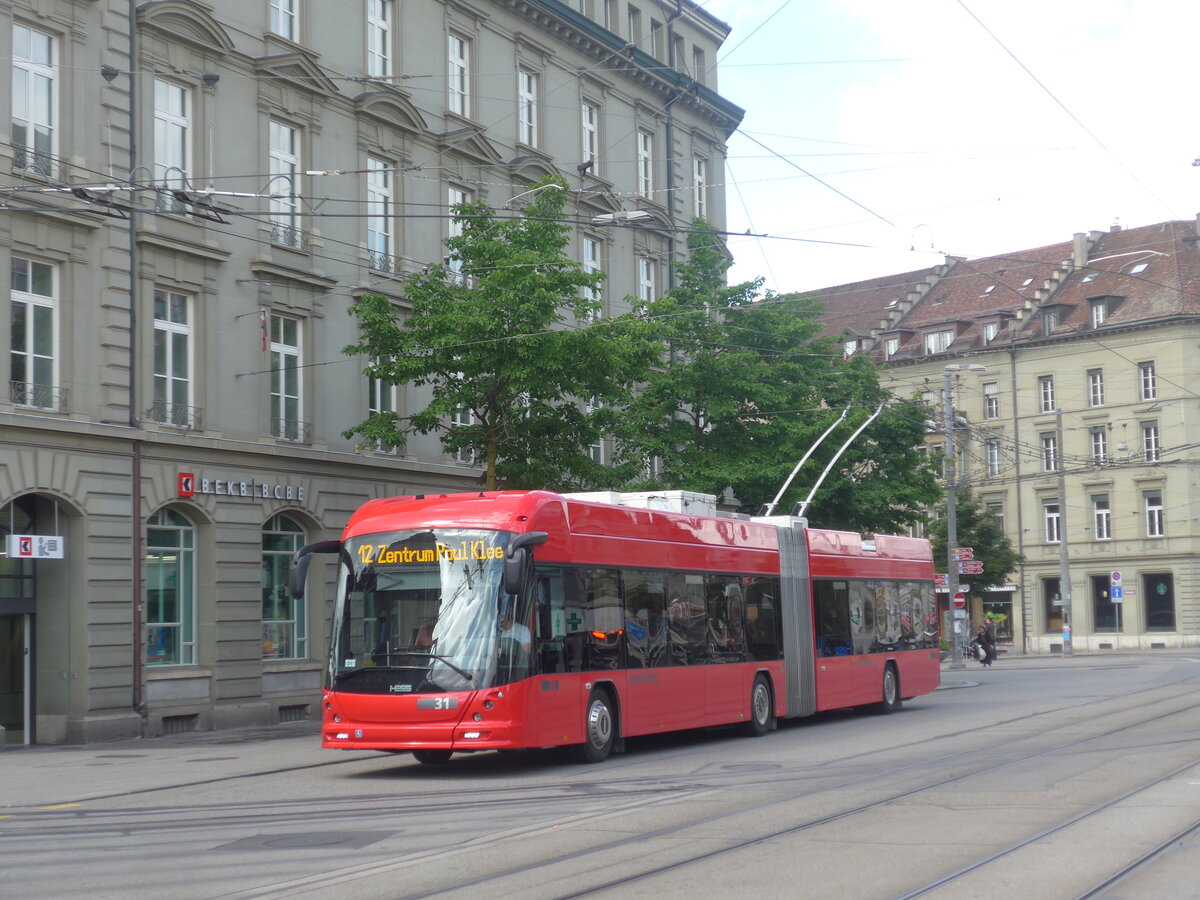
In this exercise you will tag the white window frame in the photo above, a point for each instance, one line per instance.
(938, 342)
(458, 74)
(1101, 518)
(890, 347)
(1147, 381)
(173, 336)
(595, 451)
(991, 400)
(645, 273)
(1046, 393)
(454, 197)
(591, 264)
(462, 418)
(286, 536)
(1098, 312)
(379, 38)
(1098, 440)
(589, 134)
(645, 163)
(284, 20)
(172, 140)
(380, 249)
(1151, 446)
(994, 458)
(284, 169)
(527, 107)
(286, 384)
(990, 330)
(41, 311)
(381, 398)
(1155, 524)
(1049, 452)
(1095, 381)
(700, 186)
(162, 559)
(34, 98)
(1052, 519)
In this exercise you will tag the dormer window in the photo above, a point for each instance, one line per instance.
(890, 346)
(849, 347)
(990, 330)
(1099, 312)
(1049, 321)
(938, 341)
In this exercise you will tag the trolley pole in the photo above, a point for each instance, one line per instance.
(958, 635)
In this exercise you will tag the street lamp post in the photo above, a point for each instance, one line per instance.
(958, 633)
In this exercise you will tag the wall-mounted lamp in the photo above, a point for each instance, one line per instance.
(108, 73)
(210, 78)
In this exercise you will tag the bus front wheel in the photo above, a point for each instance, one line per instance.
(891, 691)
(599, 728)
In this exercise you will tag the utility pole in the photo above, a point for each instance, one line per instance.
(1064, 561)
(958, 635)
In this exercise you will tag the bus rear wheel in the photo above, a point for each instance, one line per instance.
(599, 731)
(891, 691)
(760, 708)
(432, 757)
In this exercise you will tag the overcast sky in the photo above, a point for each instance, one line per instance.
(913, 128)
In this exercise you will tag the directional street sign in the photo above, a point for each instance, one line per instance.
(974, 567)
(964, 553)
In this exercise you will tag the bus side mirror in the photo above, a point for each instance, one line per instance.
(301, 560)
(515, 559)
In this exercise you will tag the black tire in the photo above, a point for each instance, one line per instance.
(599, 728)
(890, 691)
(432, 757)
(761, 708)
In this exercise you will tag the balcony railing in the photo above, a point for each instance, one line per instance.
(36, 163)
(175, 414)
(383, 262)
(286, 235)
(39, 396)
(291, 430)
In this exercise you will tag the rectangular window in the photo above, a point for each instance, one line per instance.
(285, 631)
(462, 418)
(991, 400)
(33, 324)
(283, 18)
(1098, 438)
(170, 590)
(1147, 381)
(1158, 589)
(1151, 449)
(379, 216)
(1095, 381)
(595, 451)
(990, 330)
(645, 280)
(993, 457)
(1046, 393)
(379, 36)
(591, 265)
(996, 508)
(890, 346)
(1101, 518)
(458, 77)
(172, 141)
(1049, 452)
(34, 100)
(172, 360)
(455, 197)
(284, 349)
(699, 67)
(938, 341)
(1052, 605)
(527, 107)
(635, 25)
(656, 39)
(700, 187)
(645, 163)
(381, 400)
(590, 135)
(1099, 311)
(1155, 527)
(1053, 520)
(284, 167)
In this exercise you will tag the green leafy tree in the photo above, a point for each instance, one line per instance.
(747, 385)
(491, 334)
(978, 528)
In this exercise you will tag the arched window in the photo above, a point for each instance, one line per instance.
(285, 633)
(170, 590)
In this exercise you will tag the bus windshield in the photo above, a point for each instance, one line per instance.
(418, 611)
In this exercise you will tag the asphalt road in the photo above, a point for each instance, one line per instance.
(1037, 778)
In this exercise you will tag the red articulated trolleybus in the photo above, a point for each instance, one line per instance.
(528, 619)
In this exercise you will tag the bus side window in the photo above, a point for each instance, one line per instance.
(602, 623)
(831, 617)
(549, 612)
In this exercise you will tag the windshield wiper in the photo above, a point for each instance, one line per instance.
(442, 659)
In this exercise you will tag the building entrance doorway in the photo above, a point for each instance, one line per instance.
(16, 678)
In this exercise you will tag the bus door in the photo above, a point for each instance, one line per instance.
(836, 665)
(660, 696)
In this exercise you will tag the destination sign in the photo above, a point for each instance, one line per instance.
(464, 551)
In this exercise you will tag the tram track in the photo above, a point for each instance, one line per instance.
(592, 857)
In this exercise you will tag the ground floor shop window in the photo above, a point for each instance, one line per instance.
(998, 610)
(1105, 613)
(170, 590)
(284, 630)
(1052, 605)
(1158, 589)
